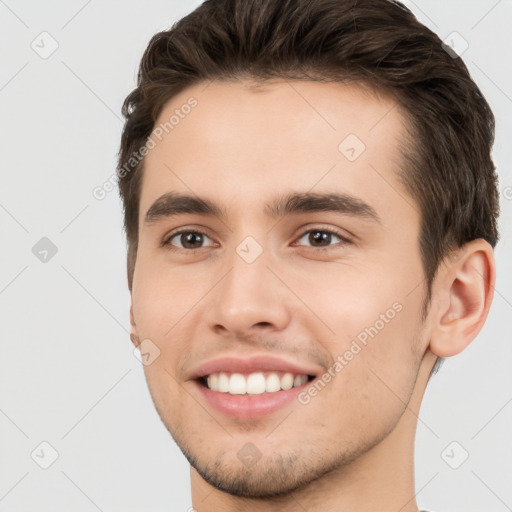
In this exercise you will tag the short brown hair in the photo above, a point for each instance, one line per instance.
(448, 167)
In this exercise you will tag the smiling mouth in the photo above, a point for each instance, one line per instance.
(256, 383)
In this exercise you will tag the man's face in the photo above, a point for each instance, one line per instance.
(307, 287)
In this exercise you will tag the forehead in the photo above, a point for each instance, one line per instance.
(238, 140)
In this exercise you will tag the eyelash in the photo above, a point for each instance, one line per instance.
(166, 243)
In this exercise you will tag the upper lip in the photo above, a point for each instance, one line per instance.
(251, 365)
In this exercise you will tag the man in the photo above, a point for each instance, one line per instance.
(310, 206)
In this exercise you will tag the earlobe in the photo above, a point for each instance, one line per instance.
(465, 290)
(133, 329)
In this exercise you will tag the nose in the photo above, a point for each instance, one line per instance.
(249, 299)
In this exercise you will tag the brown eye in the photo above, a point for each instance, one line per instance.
(188, 240)
(323, 238)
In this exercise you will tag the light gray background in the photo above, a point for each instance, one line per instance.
(67, 370)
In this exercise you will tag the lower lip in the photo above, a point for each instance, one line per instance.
(249, 406)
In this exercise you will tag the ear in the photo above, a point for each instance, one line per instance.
(464, 293)
(134, 335)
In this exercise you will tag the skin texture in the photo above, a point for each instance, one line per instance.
(351, 447)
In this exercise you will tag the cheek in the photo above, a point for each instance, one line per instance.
(369, 326)
(162, 297)
(371, 385)
(163, 304)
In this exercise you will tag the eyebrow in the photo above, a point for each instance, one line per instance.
(174, 203)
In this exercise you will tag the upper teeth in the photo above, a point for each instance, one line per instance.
(254, 383)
